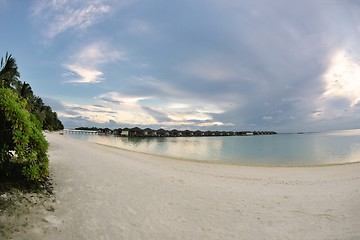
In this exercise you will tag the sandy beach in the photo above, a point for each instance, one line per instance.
(108, 193)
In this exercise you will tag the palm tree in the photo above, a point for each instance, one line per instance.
(24, 90)
(9, 75)
(38, 108)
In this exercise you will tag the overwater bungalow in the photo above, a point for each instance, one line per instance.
(148, 132)
(198, 133)
(187, 133)
(135, 132)
(162, 133)
(210, 133)
(124, 132)
(117, 132)
(174, 133)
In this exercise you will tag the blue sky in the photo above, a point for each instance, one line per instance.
(284, 65)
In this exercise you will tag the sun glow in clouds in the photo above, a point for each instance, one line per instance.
(342, 78)
(117, 98)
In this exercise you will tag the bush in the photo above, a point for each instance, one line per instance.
(22, 145)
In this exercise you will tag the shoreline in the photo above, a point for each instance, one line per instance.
(221, 163)
(104, 192)
(227, 163)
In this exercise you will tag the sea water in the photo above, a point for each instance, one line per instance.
(260, 150)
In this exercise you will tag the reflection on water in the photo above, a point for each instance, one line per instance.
(180, 147)
(272, 150)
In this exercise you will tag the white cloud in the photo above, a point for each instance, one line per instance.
(83, 75)
(98, 53)
(342, 78)
(267, 118)
(192, 124)
(62, 15)
(118, 98)
(84, 65)
(178, 106)
(180, 116)
(210, 108)
(131, 110)
(210, 124)
(89, 112)
(341, 96)
(124, 114)
(189, 113)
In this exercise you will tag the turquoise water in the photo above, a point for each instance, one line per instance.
(269, 150)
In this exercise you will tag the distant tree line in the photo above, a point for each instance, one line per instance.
(23, 116)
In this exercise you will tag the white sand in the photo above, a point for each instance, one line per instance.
(108, 193)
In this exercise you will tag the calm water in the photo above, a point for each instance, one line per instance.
(271, 150)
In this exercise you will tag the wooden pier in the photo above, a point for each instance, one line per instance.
(80, 131)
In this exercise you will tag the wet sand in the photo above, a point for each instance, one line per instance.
(108, 193)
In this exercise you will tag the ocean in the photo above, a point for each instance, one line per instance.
(308, 149)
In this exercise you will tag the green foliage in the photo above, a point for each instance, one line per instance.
(46, 116)
(9, 78)
(9, 75)
(51, 121)
(22, 117)
(23, 146)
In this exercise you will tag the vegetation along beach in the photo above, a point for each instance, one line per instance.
(188, 120)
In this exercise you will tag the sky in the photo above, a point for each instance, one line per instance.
(281, 65)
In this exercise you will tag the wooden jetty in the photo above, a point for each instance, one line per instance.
(80, 131)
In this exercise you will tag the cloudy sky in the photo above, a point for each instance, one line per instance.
(284, 65)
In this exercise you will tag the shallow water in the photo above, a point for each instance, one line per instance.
(266, 150)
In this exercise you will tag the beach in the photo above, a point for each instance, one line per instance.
(107, 193)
